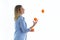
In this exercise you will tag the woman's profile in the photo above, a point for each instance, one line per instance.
(21, 29)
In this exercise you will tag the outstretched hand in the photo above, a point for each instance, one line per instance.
(34, 23)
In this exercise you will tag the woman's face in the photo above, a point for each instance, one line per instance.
(21, 11)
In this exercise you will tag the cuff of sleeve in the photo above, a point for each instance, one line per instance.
(29, 29)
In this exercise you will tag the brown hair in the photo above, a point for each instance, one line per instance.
(17, 8)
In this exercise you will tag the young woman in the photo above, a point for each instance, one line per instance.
(20, 24)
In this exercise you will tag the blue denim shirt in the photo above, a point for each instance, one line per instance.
(20, 29)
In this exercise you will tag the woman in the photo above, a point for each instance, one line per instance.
(20, 24)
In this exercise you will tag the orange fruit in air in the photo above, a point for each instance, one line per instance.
(35, 19)
(42, 10)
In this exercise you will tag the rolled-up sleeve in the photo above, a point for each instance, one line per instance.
(23, 26)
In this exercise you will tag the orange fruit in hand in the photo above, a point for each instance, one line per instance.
(32, 29)
(35, 19)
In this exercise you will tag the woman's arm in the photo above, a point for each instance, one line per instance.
(31, 28)
(34, 23)
(24, 28)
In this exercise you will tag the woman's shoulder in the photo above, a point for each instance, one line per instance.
(20, 18)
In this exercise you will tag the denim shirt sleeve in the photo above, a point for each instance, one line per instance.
(23, 26)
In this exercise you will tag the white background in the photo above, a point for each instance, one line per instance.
(48, 26)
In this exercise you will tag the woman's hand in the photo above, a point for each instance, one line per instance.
(34, 23)
(32, 30)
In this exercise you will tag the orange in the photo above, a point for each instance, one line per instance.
(35, 19)
(32, 29)
(42, 10)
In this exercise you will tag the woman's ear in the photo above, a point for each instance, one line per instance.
(19, 11)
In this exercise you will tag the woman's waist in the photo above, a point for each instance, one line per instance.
(19, 32)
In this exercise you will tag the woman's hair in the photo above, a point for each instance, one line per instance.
(16, 9)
